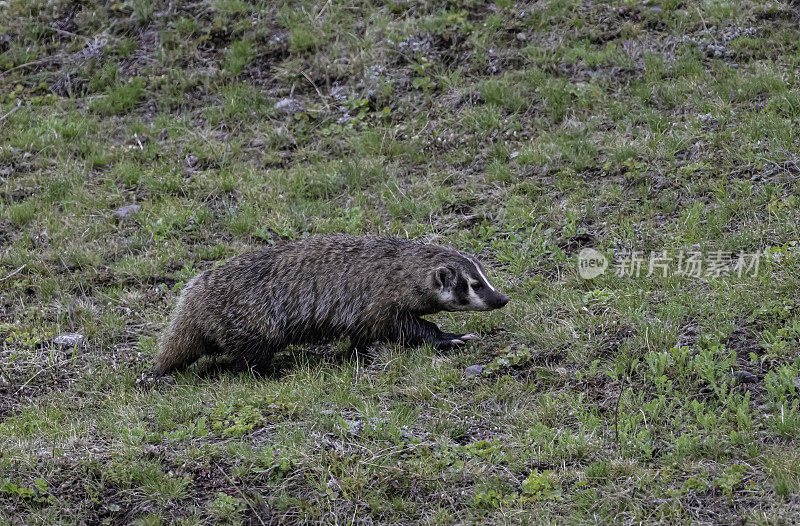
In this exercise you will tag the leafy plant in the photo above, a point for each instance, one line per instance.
(508, 358)
(540, 486)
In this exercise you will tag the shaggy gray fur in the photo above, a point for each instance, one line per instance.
(322, 289)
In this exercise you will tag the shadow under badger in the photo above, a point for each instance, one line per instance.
(320, 289)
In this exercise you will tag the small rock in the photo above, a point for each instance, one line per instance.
(289, 106)
(522, 37)
(473, 370)
(745, 377)
(126, 212)
(68, 340)
(796, 382)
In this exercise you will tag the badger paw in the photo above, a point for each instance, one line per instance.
(450, 340)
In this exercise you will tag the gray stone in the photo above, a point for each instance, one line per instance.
(126, 212)
(289, 106)
(68, 340)
(473, 370)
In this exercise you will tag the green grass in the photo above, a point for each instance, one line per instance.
(522, 132)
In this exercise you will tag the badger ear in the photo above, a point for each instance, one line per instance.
(445, 277)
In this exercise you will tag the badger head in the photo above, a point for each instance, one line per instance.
(460, 284)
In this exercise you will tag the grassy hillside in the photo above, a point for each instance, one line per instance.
(522, 132)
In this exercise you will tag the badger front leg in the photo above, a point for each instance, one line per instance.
(416, 331)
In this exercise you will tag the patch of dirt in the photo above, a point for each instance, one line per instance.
(689, 335)
(709, 507)
(28, 374)
(600, 389)
(748, 376)
(575, 243)
(19, 194)
(609, 336)
(743, 340)
(6, 230)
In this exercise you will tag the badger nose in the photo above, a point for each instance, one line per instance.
(500, 301)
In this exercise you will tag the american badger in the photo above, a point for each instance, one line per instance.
(319, 289)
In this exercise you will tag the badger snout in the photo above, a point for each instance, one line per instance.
(496, 300)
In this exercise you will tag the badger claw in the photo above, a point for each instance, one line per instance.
(450, 342)
(469, 337)
(446, 344)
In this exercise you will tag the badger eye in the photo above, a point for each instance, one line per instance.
(477, 285)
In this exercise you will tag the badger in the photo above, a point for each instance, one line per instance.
(322, 289)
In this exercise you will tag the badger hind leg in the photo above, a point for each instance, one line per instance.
(253, 353)
(184, 340)
(179, 347)
(362, 349)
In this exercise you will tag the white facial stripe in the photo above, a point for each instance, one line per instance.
(475, 300)
(483, 277)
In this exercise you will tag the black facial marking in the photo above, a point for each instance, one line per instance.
(445, 277)
(493, 299)
(461, 291)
